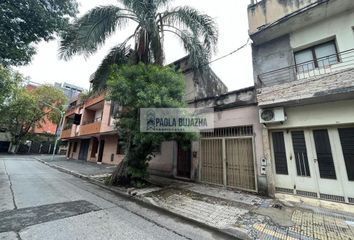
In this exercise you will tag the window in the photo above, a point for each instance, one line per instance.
(347, 141)
(318, 56)
(281, 166)
(120, 147)
(324, 154)
(75, 147)
(299, 145)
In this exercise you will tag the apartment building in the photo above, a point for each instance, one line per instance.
(303, 60)
(88, 126)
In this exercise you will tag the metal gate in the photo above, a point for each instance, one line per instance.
(227, 158)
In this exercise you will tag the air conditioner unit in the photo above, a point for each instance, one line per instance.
(272, 115)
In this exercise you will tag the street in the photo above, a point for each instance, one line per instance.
(38, 202)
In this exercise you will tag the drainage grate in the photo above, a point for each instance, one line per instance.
(351, 200)
(306, 193)
(284, 190)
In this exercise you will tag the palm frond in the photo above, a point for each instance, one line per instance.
(118, 55)
(199, 24)
(198, 54)
(89, 32)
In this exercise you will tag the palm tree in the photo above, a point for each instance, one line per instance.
(153, 19)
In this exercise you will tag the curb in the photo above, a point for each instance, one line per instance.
(227, 233)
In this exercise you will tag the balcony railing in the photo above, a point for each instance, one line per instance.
(67, 133)
(98, 119)
(91, 128)
(321, 66)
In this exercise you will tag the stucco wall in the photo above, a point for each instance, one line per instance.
(324, 114)
(110, 148)
(340, 26)
(271, 56)
(163, 163)
(268, 11)
(107, 122)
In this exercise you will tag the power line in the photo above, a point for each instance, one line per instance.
(234, 51)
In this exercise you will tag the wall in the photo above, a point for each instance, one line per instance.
(165, 161)
(325, 114)
(340, 26)
(271, 56)
(110, 148)
(268, 11)
(107, 122)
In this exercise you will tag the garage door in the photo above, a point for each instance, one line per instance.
(227, 158)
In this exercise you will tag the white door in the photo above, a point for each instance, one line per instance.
(310, 162)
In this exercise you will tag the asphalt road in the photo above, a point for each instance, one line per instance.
(38, 202)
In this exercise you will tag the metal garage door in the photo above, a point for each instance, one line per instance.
(227, 158)
(212, 164)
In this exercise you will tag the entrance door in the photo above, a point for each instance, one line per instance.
(239, 163)
(307, 163)
(4, 146)
(184, 156)
(100, 153)
(84, 146)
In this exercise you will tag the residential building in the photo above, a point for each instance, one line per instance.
(71, 91)
(88, 127)
(230, 156)
(303, 60)
(46, 125)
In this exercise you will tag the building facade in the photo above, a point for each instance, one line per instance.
(88, 127)
(230, 156)
(303, 60)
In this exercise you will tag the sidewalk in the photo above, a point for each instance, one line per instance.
(236, 213)
(84, 168)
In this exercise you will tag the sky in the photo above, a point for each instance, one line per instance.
(230, 15)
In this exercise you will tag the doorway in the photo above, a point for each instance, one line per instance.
(184, 160)
(84, 146)
(100, 153)
(311, 163)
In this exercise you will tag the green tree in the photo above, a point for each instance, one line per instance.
(27, 109)
(26, 22)
(143, 86)
(8, 83)
(153, 18)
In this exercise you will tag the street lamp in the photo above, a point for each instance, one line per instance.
(60, 123)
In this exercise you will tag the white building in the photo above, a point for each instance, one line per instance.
(303, 58)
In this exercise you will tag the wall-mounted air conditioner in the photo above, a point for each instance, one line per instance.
(272, 115)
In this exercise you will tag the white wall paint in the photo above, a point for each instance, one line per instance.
(325, 114)
(340, 26)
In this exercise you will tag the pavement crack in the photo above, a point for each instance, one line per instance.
(18, 236)
(12, 191)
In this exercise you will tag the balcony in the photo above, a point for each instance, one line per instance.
(94, 100)
(330, 77)
(90, 128)
(67, 133)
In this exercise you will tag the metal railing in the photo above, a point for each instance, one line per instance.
(98, 119)
(318, 67)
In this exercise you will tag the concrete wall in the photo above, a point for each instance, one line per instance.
(164, 161)
(324, 114)
(266, 12)
(339, 27)
(272, 56)
(110, 148)
(107, 121)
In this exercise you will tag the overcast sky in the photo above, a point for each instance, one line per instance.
(230, 15)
